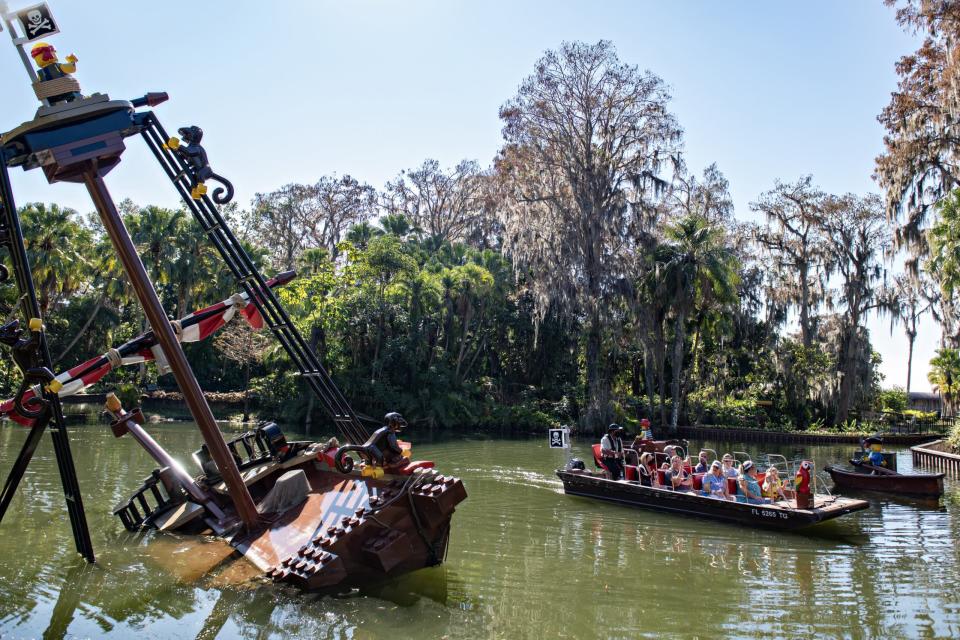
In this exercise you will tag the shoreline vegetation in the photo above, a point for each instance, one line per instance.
(586, 275)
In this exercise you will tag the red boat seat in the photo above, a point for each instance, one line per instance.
(328, 457)
(596, 458)
(732, 485)
(632, 472)
(661, 477)
(697, 481)
(413, 466)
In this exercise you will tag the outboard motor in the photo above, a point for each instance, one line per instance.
(576, 464)
(276, 441)
(205, 461)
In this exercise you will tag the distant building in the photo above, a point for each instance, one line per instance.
(924, 401)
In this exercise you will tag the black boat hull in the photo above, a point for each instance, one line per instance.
(772, 516)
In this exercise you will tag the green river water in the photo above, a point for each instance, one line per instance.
(525, 561)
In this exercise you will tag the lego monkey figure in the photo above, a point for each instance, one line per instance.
(195, 156)
(50, 68)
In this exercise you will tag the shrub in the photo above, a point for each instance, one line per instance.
(892, 400)
(129, 394)
(954, 438)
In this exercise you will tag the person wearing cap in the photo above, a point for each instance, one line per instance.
(749, 486)
(702, 465)
(611, 451)
(714, 484)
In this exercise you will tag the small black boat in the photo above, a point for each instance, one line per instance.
(778, 515)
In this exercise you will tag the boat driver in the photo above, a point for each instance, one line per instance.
(875, 457)
(611, 451)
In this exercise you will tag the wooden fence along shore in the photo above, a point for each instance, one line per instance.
(935, 457)
(796, 437)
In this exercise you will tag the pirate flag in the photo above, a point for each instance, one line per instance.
(37, 22)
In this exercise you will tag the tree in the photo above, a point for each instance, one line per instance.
(944, 239)
(795, 249)
(585, 135)
(362, 233)
(858, 236)
(708, 197)
(906, 303)
(239, 343)
(945, 377)
(301, 216)
(920, 162)
(442, 204)
(55, 243)
(695, 266)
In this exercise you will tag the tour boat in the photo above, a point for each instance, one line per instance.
(783, 514)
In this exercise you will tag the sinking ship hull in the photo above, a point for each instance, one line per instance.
(332, 531)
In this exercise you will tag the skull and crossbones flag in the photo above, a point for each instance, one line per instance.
(37, 22)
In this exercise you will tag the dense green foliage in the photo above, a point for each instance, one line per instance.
(586, 276)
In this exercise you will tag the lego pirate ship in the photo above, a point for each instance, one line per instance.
(318, 515)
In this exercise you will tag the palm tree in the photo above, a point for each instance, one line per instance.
(154, 230)
(694, 266)
(113, 285)
(312, 261)
(362, 233)
(54, 242)
(945, 377)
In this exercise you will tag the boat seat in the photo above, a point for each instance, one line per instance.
(596, 458)
(413, 466)
(697, 481)
(631, 471)
(732, 486)
(661, 477)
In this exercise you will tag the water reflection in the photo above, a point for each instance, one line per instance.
(525, 561)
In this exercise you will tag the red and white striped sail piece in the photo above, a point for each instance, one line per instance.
(192, 328)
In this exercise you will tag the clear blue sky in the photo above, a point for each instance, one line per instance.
(289, 91)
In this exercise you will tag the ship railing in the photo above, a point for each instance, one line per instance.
(159, 492)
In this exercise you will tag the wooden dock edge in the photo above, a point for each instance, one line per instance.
(930, 456)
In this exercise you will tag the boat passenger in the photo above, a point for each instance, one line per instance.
(714, 484)
(729, 471)
(676, 477)
(611, 451)
(773, 486)
(648, 470)
(749, 486)
(668, 451)
(703, 465)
